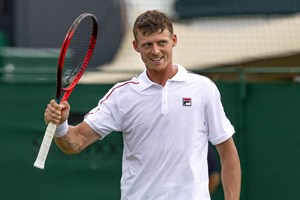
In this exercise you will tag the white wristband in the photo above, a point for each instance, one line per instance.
(62, 129)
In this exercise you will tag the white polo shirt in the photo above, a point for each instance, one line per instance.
(166, 132)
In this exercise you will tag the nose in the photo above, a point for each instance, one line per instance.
(155, 49)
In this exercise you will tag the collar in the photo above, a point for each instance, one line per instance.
(180, 76)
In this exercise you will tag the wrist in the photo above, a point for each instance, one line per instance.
(62, 129)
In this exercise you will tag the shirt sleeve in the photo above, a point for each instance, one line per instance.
(219, 127)
(104, 118)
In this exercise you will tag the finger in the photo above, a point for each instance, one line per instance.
(64, 105)
(49, 116)
(53, 112)
(55, 105)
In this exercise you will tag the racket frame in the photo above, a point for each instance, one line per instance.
(67, 91)
(51, 128)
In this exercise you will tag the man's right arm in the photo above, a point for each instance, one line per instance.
(77, 138)
(72, 139)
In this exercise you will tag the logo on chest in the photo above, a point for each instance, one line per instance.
(187, 101)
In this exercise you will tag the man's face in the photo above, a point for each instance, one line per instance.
(156, 49)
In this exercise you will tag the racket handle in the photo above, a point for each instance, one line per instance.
(45, 146)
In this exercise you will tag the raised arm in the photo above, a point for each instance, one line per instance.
(71, 139)
(231, 170)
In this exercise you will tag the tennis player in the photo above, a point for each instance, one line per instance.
(167, 116)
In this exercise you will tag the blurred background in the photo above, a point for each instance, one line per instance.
(250, 48)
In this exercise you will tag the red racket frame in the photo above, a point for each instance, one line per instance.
(67, 91)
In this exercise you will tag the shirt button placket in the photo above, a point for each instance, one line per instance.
(165, 99)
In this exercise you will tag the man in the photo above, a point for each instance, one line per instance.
(167, 116)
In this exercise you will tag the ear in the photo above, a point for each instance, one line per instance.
(135, 45)
(174, 39)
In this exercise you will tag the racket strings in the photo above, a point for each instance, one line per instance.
(77, 52)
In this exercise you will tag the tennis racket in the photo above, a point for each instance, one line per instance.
(75, 54)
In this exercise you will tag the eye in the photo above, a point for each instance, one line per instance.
(147, 45)
(162, 42)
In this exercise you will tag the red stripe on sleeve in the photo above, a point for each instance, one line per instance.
(119, 86)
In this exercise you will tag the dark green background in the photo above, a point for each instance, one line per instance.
(265, 116)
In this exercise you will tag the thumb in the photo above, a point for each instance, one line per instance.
(64, 105)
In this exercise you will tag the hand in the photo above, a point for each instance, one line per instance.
(57, 113)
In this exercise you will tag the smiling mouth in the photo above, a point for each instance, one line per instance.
(156, 59)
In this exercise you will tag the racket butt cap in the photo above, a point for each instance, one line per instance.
(38, 165)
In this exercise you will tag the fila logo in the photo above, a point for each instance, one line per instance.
(187, 101)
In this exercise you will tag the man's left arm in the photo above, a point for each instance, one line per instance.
(231, 169)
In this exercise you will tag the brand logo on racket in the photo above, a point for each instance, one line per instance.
(69, 76)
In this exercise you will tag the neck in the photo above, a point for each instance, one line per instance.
(161, 77)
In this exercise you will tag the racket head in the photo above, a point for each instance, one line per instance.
(75, 54)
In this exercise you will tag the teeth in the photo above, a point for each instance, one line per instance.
(156, 59)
